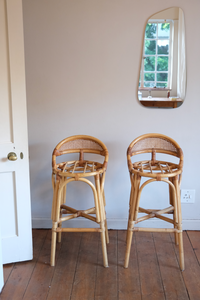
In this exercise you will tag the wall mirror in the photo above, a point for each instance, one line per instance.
(162, 81)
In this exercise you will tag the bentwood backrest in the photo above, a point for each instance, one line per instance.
(154, 143)
(80, 144)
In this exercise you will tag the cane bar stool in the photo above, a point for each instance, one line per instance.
(79, 170)
(155, 170)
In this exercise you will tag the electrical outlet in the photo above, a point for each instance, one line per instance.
(187, 196)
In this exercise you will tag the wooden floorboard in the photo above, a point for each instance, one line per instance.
(62, 281)
(39, 283)
(194, 237)
(128, 279)
(85, 276)
(191, 274)
(149, 272)
(171, 275)
(106, 279)
(79, 274)
(21, 272)
(7, 269)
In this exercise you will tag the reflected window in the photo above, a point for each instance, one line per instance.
(157, 58)
(162, 81)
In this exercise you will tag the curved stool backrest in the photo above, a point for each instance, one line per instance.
(80, 144)
(154, 143)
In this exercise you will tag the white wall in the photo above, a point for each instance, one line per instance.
(82, 70)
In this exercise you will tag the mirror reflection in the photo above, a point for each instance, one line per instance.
(162, 81)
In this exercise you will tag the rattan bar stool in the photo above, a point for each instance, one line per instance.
(79, 170)
(155, 170)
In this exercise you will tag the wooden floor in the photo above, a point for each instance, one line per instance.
(153, 271)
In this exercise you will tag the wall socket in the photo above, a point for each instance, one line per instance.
(188, 196)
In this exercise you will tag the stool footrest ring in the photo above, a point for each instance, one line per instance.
(79, 230)
(169, 230)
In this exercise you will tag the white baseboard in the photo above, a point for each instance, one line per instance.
(114, 224)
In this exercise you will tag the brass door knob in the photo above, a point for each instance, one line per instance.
(12, 156)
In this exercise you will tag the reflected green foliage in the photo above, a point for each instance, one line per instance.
(150, 47)
(162, 76)
(149, 76)
(149, 63)
(163, 49)
(150, 31)
(163, 30)
(162, 63)
(165, 26)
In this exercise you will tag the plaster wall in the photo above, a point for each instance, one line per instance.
(82, 69)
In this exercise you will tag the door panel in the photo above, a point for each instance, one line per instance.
(5, 111)
(8, 188)
(1, 267)
(15, 213)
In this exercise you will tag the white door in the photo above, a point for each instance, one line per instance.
(1, 267)
(15, 213)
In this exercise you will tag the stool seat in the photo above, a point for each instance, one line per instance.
(79, 168)
(157, 168)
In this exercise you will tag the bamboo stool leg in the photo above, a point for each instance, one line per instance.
(102, 180)
(106, 232)
(172, 198)
(63, 195)
(130, 220)
(54, 197)
(173, 202)
(180, 234)
(130, 201)
(102, 221)
(53, 244)
(128, 247)
(134, 204)
(55, 217)
(103, 242)
(106, 225)
(59, 233)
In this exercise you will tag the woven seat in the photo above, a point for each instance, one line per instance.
(155, 170)
(78, 170)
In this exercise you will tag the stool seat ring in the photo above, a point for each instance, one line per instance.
(81, 168)
(152, 169)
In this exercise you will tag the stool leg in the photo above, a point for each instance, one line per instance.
(102, 220)
(106, 232)
(103, 243)
(102, 180)
(54, 197)
(59, 233)
(173, 202)
(106, 226)
(53, 244)
(130, 203)
(180, 234)
(55, 217)
(63, 196)
(132, 217)
(128, 247)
